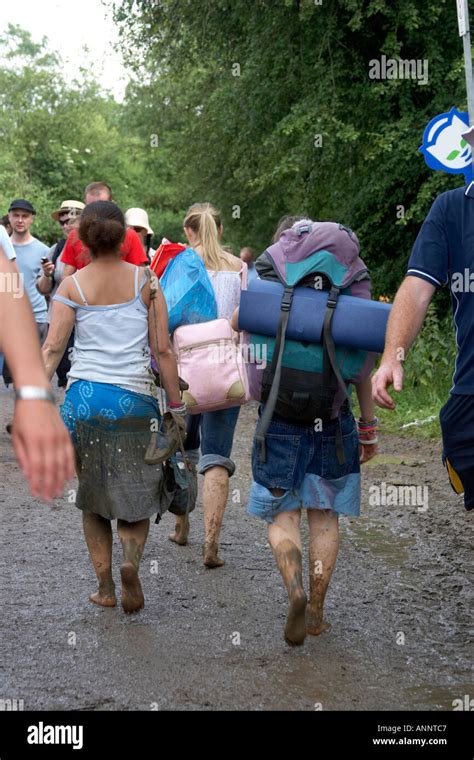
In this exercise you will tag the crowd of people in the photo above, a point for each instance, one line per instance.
(99, 314)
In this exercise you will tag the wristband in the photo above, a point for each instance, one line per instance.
(177, 408)
(33, 393)
(368, 431)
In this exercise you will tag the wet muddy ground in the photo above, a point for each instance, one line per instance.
(210, 639)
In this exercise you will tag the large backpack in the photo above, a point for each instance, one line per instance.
(304, 382)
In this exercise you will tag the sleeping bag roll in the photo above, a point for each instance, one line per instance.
(358, 323)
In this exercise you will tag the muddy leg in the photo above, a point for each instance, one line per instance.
(133, 537)
(181, 530)
(323, 547)
(285, 540)
(98, 535)
(214, 498)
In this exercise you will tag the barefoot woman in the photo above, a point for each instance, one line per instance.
(110, 399)
(213, 432)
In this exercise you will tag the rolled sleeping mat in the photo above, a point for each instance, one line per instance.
(358, 323)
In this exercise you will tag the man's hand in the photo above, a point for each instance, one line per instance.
(43, 448)
(389, 373)
(48, 268)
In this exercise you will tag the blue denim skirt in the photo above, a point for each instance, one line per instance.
(304, 463)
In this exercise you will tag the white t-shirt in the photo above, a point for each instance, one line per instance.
(6, 244)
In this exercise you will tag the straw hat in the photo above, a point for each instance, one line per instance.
(67, 206)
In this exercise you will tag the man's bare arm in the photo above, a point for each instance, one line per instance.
(407, 316)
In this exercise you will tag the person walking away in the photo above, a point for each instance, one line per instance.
(213, 432)
(76, 255)
(111, 394)
(303, 469)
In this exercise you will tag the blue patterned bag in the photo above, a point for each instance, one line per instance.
(188, 291)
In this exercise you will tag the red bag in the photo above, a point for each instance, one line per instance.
(164, 254)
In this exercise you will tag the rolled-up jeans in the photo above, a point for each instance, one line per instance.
(213, 433)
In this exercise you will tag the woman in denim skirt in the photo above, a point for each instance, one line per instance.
(302, 471)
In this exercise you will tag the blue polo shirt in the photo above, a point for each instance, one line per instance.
(444, 253)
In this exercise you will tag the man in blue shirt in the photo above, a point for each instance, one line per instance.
(443, 253)
(29, 252)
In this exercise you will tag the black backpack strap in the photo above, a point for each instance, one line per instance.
(58, 249)
(330, 363)
(269, 408)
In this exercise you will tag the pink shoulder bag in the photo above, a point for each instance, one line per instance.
(210, 360)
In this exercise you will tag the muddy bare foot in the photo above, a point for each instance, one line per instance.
(132, 594)
(295, 628)
(181, 532)
(210, 555)
(104, 598)
(315, 625)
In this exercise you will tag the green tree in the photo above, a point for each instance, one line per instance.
(268, 106)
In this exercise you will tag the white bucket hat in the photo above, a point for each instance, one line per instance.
(138, 217)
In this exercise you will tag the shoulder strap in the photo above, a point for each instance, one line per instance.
(136, 281)
(330, 364)
(143, 282)
(66, 301)
(58, 249)
(269, 408)
(76, 283)
(330, 360)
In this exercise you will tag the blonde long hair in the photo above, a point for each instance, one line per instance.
(205, 221)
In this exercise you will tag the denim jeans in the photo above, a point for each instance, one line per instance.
(303, 463)
(213, 432)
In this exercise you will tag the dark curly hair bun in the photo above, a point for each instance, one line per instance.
(102, 227)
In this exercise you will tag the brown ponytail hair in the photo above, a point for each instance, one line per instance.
(205, 221)
(102, 227)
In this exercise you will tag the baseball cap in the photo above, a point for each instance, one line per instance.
(20, 203)
(67, 206)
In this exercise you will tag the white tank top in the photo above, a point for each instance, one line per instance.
(111, 343)
(227, 289)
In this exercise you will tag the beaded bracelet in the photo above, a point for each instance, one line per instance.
(368, 431)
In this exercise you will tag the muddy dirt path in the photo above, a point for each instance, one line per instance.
(398, 605)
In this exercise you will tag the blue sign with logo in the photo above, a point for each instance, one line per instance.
(444, 147)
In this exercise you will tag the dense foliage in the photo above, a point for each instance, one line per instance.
(266, 107)
(58, 135)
